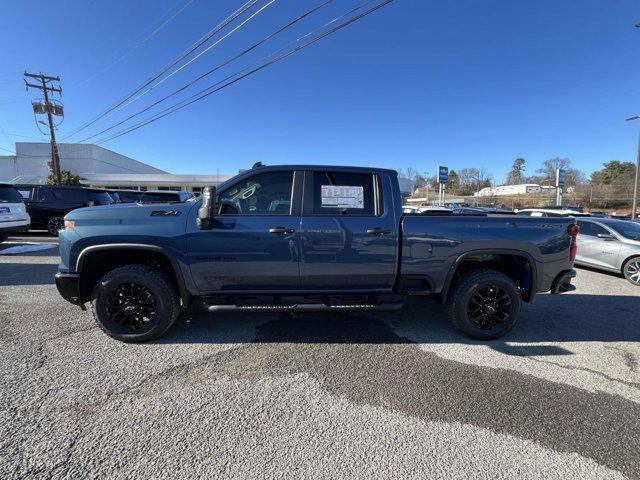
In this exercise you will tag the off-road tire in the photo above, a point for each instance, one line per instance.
(157, 282)
(467, 286)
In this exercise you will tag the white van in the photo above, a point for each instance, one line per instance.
(13, 212)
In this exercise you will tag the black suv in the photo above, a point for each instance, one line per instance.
(47, 205)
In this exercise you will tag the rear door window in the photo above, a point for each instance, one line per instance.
(10, 195)
(343, 193)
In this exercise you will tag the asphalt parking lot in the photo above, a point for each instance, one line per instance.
(393, 395)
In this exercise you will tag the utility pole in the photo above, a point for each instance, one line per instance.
(48, 109)
(634, 203)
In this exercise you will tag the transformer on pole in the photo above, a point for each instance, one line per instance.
(50, 108)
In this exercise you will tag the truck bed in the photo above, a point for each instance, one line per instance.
(432, 245)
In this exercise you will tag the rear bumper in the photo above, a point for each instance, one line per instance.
(68, 284)
(562, 282)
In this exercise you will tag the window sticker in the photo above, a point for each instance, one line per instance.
(342, 196)
(25, 193)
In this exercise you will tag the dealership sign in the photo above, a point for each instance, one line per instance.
(443, 174)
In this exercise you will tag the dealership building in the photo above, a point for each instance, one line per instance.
(100, 167)
(97, 167)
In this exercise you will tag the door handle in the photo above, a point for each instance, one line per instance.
(281, 230)
(378, 231)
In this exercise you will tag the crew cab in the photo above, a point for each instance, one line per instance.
(305, 238)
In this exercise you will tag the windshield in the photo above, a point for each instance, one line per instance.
(100, 198)
(129, 197)
(628, 230)
(10, 195)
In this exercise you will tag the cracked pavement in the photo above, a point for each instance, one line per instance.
(387, 395)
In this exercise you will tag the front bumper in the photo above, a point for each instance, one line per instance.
(562, 282)
(68, 284)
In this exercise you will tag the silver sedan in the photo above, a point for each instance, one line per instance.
(611, 245)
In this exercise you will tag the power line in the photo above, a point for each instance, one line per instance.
(182, 67)
(163, 24)
(246, 6)
(249, 67)
(244, 69)
(139, 44)
(228, 61)
(203, 95)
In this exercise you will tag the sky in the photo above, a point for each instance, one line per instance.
(415, 84)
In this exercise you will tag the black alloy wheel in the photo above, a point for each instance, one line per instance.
(135, 303)
(485, 304)
(489, 306)
(131, 306)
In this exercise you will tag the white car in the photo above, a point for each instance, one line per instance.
(549, 212)
(13, 213)
(417, 209)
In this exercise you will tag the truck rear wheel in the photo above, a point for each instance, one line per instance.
(135, 303)
(485, 304)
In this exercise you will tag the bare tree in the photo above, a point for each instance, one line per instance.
(516, 174)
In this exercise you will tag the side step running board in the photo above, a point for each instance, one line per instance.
(307, 307)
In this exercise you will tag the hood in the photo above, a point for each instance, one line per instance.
(120, 212)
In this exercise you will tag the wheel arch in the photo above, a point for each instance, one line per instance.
(520, 266)
(95, 261)
(624, 262)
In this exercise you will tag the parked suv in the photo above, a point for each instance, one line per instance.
(13, 213)
(47, 205)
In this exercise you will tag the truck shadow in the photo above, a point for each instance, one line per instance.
(563, 318)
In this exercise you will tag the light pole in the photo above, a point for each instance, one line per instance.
(634, 203)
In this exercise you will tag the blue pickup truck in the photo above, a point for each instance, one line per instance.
(305, 238)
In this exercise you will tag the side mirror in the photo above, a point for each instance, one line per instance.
(606, 236)
(207, 210)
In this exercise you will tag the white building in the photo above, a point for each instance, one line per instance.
(521, 189)
(96, 166)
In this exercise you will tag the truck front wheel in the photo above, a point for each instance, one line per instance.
(135, 303)
(485, 304)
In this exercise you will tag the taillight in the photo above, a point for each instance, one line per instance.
(573, 231)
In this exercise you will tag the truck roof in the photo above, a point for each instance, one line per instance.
(338, 168)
